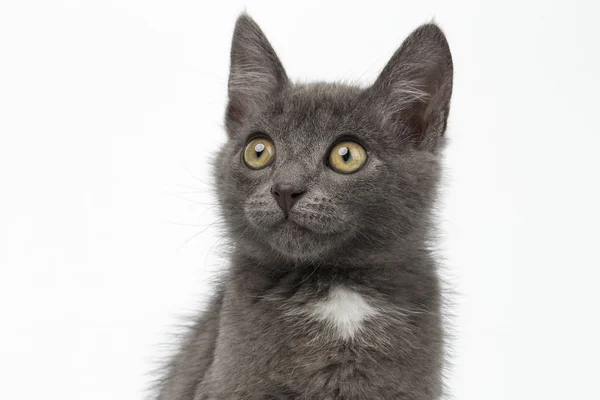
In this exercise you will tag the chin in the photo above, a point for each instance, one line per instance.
(298, 243)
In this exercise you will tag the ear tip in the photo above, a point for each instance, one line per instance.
(432, 26)
(432, 31)
(244, 18)
(245, 22)
(431, 35)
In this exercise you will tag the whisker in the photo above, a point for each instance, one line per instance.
(193, 225)
(195, 188)
(196, 178)
(199, 233)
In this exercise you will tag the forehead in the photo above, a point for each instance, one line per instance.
(314, 112)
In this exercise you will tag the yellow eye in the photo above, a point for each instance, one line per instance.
(347, 157)
(259, 153)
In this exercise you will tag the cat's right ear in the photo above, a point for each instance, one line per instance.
(255, 75)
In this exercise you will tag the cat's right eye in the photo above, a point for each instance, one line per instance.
(259, 153)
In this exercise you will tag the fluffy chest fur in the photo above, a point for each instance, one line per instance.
(337, 342)
(344, 310)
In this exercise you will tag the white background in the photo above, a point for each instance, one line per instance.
(110, 111)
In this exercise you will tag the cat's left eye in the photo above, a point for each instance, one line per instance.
(347, 157)
(259, 153)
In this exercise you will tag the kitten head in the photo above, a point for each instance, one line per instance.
(313, 170)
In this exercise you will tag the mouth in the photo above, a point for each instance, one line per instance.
(303, 234)
(291, 226)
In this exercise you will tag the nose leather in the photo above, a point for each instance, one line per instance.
(286, 195)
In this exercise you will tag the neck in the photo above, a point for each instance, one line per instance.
(389, 269)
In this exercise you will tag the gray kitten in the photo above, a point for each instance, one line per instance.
(327, 192)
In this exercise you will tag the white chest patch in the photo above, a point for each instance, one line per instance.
(345, 310)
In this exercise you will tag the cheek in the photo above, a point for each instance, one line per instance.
(359, 189)
(322, 211)
(374, 201)
(260, 207)
(235, 185)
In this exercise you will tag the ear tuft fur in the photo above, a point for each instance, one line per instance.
(412, 93)
(255, 73)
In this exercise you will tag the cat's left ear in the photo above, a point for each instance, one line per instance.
(256, 74)
(412, 93)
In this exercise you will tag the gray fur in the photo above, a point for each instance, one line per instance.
(369, 231)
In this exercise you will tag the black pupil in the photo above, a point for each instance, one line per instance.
(346, 155)
(259, 149)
